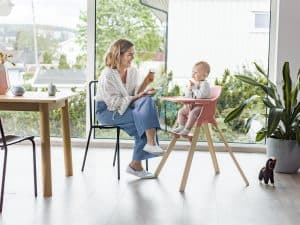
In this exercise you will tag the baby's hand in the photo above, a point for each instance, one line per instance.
(191, 84)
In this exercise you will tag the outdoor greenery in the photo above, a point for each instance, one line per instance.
(123, 19)
(63, 64)
(283, 113)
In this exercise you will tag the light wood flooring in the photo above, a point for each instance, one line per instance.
(95, 197)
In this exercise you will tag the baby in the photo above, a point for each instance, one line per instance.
(198, 88)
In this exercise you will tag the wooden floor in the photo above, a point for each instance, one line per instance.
(95, 197)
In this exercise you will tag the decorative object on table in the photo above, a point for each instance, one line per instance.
(4, 81)
(51, 89)
(267, 172)
(282, 128)
(17, 90)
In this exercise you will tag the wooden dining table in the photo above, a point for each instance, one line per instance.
(42, 103)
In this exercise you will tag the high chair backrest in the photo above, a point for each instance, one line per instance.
(208, 111)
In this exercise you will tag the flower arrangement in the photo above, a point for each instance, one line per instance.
(4, 57)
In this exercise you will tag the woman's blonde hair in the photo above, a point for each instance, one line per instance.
(119, 47)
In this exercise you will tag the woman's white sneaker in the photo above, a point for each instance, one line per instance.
(143, 174)
(155, 149)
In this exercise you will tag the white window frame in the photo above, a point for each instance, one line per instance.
(252, 21)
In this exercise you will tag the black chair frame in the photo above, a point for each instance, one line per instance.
(6, 141)
(94, 125)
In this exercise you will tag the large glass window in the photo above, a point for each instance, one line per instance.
(131, 20)
(221, 33)
(46, 42)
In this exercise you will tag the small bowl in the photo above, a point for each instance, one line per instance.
(151, 92)
(17, 91)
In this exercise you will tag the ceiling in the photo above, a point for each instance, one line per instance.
(159, 7)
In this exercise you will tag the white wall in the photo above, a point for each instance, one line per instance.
(218, 31)
(285, 37)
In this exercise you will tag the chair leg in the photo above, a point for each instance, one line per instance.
(165, 156)
(3, 179)
(115, 154)
(34, 167)
(147, 165)
(86, 149)
(189, 159)
(118, 148)
(232, 155)
(211, 148)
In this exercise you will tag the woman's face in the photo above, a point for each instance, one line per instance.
(127, 57)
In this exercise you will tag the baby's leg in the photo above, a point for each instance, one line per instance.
(192, 117)
(182, 116)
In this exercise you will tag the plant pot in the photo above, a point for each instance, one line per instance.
(287, 153)
(4, 87)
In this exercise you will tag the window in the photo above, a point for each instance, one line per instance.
(261, 21)
(48, 46)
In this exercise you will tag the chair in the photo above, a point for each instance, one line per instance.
(207, 116)
(94, 124)
(5, 141)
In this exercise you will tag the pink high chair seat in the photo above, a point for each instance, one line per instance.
(206, 116)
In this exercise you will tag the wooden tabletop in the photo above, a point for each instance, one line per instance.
(36, 97)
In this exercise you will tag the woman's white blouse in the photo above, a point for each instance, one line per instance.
(117, 95)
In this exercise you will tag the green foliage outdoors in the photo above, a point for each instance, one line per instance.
(283, 113)
(233, 92)
(63, 64)
(123, 19)
(47, 58)
(24, 40)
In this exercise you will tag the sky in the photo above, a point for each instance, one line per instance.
(50, 12)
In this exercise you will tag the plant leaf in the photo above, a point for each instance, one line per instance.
(268, 103)
(287, 86)
(274, 117)
(268, 90)
(259, 69)
(238, 111)
(261, 134)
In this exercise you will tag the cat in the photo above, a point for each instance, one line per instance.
(267, 172)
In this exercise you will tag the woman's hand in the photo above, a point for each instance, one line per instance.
(139, 95)
(149, 78)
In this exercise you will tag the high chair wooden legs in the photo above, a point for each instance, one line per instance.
(165, 156)
(232, 155)
(191, 154)
(211, 148)
(189, 159)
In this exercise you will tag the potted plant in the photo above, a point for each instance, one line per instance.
(282, 129)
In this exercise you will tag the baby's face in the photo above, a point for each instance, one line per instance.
(199, 73)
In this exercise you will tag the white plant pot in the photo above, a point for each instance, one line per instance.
(287, 153)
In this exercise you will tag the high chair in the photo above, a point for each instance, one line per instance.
(206, 116)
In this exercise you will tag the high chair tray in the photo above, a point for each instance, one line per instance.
(185, 100)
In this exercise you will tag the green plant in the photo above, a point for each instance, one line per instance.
(283, 118)
(167, 110)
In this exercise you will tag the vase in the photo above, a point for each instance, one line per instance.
(3, 80)
(287, 153)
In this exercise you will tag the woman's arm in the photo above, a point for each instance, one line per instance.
(148, 79)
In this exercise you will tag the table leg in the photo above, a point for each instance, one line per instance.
(189, 159)
(45, 149)
(165, 156)
(66, 139)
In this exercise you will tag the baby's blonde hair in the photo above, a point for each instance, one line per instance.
(205, 65)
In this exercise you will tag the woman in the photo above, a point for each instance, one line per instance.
(121, 102)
